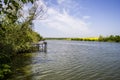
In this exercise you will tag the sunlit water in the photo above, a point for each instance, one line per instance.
(71, 60)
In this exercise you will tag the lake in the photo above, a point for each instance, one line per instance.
(70, 60)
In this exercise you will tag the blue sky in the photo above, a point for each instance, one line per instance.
(80, 18)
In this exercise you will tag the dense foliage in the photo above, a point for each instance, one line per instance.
(15, 36)
(110, 38)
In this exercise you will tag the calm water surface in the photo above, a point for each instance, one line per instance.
(71, 60)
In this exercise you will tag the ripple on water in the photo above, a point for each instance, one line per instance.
(75, 60)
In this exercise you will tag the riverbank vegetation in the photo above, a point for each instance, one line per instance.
(111, 38)
(16, 33)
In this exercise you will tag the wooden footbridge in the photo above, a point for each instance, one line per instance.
(41, 46)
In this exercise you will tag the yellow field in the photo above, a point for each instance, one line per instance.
(90, 38)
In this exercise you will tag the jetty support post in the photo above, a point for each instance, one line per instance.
(45, 46)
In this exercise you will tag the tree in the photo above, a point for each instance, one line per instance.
(11, 7)
(100, 38)
(22, 34)
(15, 35)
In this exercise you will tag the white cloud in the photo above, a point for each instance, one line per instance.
(60, 1)
(60, 22)
(86, 17)
(65, 23)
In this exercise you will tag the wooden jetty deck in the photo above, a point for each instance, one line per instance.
(41, 46)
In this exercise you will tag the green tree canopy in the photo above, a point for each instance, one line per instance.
(15, 35)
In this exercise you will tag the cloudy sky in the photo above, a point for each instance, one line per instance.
(80, 18)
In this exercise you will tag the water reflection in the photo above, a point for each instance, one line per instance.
(70, 60)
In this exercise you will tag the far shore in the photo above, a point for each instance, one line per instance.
(111, 38)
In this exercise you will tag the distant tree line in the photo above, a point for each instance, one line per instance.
(56, 38)
(15, 36)
(85, 39)
(110, 38)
